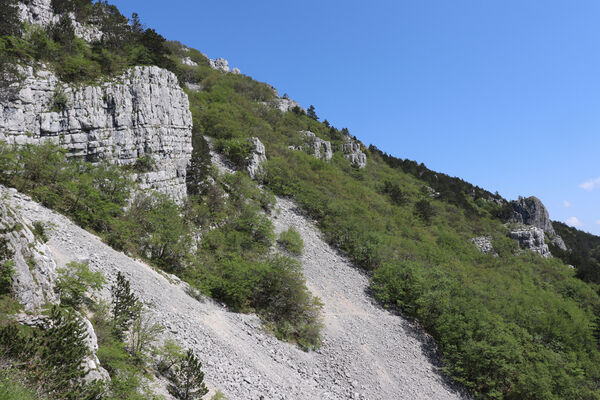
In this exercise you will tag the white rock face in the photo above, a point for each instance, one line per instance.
(220, 64)
(531, 238)
(188, 61)
(354, 154)
(92, 363)
(35, 271)
(316, 146)
(484, 244)
(39, 12)
(531, 211)
(259, 156)
(142, 112)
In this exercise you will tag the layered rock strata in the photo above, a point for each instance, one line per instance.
(141, 113)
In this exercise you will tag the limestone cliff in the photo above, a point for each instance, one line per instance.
(531, 211)
(142, 112)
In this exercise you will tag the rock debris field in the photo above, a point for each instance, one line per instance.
(368, 353)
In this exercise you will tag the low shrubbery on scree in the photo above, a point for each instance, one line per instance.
(232, 262)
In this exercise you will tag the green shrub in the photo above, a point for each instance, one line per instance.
(74, 281)
(291, 241)
(39, 231)
(236, 150)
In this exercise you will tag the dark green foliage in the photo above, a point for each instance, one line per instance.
(75, 281)
(63, 351)
(583, 253)
(200, 163)
(188, 378)
(236, 150)
(453, 190)
(63, 33)
(291, 241)
(7, 269)
(10, 24)
(125, 306)
(396, 194)
(424, 210)
(59, 101)
(311, 113)
(144, 164)
(39, 231)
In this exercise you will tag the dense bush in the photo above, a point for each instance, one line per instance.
(291, 241)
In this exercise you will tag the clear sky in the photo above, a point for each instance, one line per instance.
(502, 93)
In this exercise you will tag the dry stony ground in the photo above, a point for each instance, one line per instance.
(367, 352)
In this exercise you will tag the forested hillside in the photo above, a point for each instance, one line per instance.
(508, 325)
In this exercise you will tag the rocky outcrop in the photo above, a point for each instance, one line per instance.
(484, 244)
(256, 159)
(531, 238)
(315, 146)
(219, 64)
(353, 153)
(189, 62)
(40, 12)
(92, 363)
(531, 211)
(285, 105)
(143, 112)
(35, 271)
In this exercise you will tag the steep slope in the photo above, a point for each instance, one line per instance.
(367, 352)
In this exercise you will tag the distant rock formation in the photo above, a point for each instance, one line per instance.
(531, 211)
(219, 64)
(315, 146)
(531, 238)
(143, 112)
(256, 159)
(484, 244)
(353, 153)
(40, 12)
(189, 62)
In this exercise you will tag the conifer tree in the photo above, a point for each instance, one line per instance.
(188, 378)
(125, 306)
(311, 113)
(63, 351)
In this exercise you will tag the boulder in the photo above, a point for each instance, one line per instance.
(531, 238)
(256, 159)
(352, 151)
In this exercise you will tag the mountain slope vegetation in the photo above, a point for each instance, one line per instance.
(515, 326)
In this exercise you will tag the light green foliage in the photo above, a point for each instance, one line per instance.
(74, 281)
(11, 387)
(218, 396)
(291, 241)
(168, 355)
(142, 334)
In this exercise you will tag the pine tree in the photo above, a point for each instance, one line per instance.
(188, 378)
(63, 351)
(125, 306)
(311, 113)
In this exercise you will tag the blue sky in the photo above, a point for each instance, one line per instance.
(504, 94)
